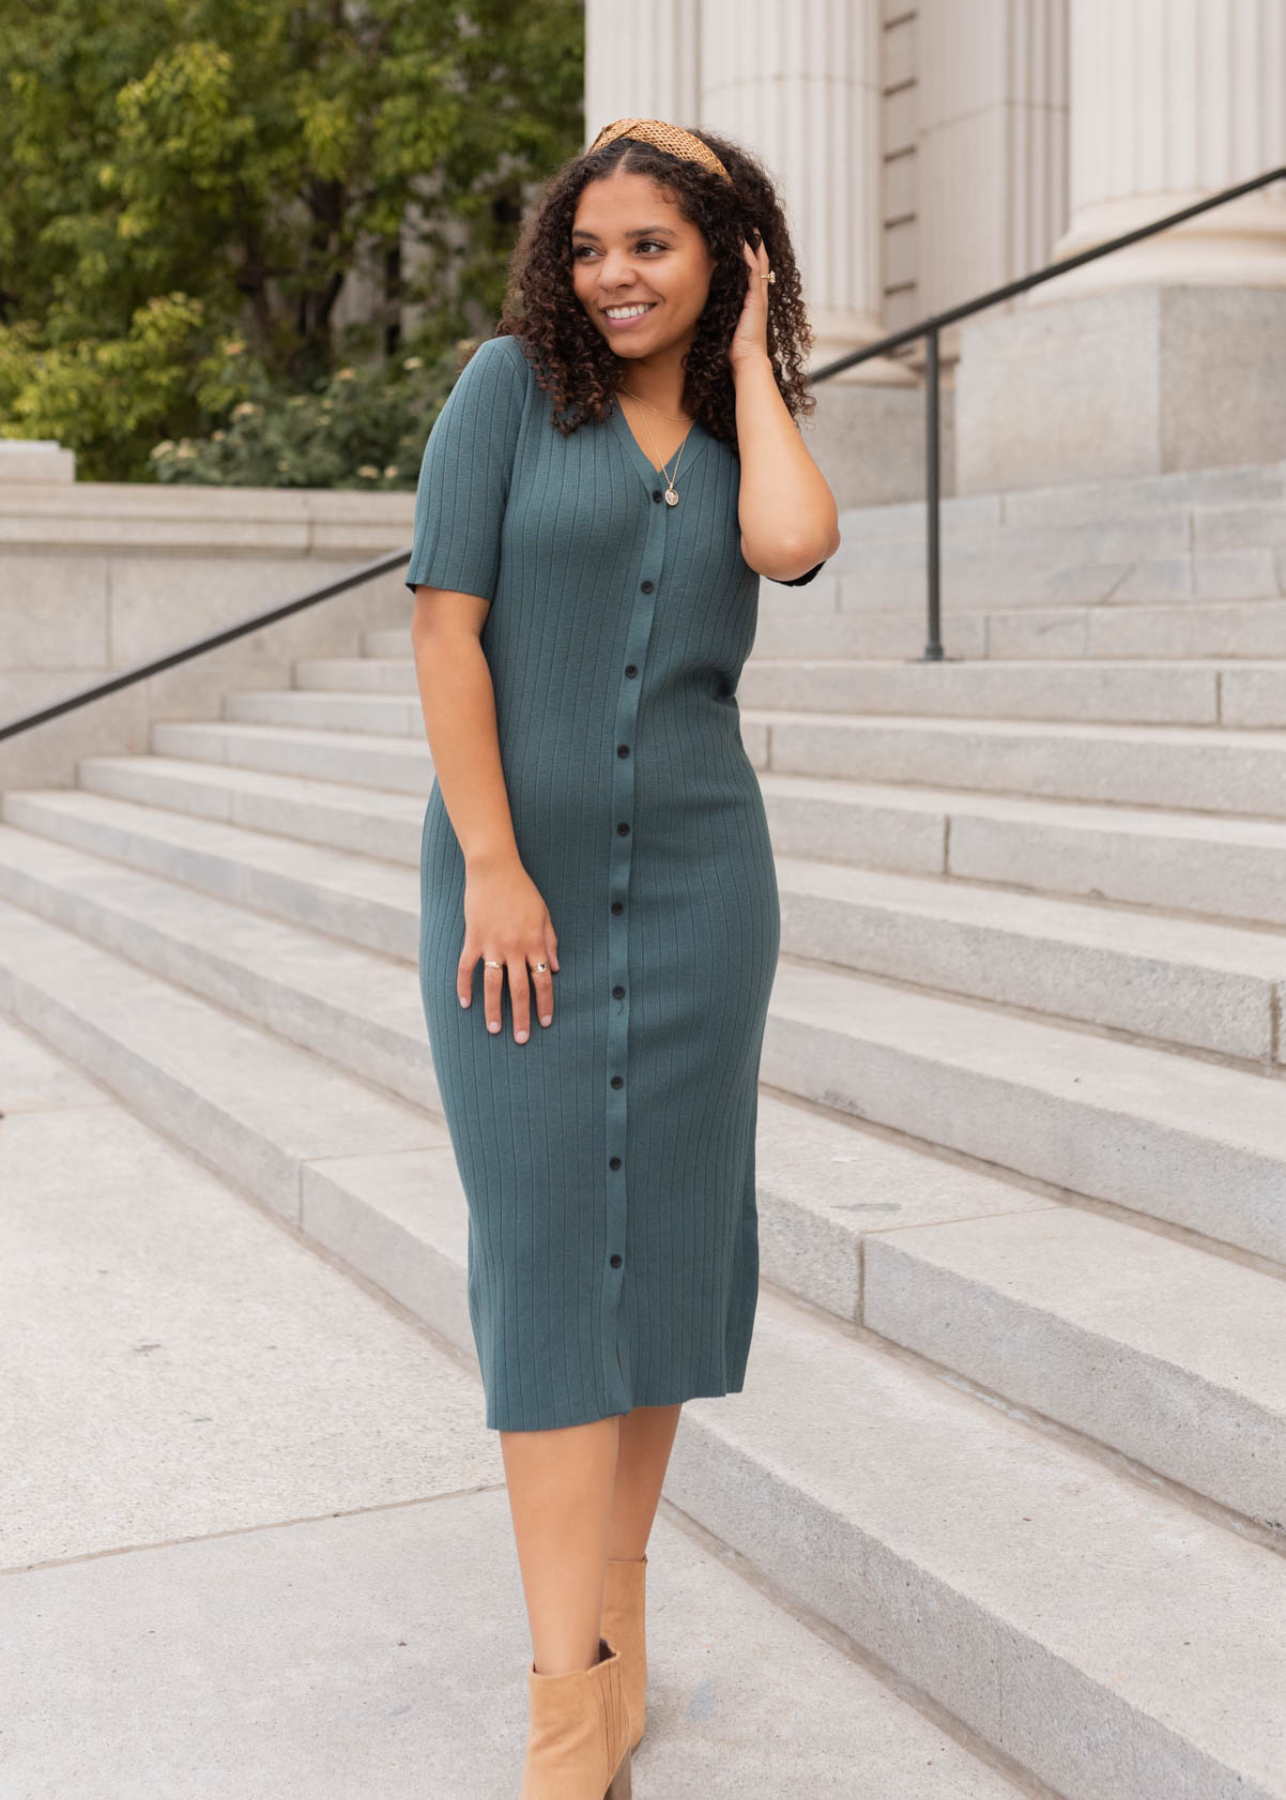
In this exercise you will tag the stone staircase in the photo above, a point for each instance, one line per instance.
(1015, 1419)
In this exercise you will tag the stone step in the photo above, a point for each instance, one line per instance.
(393, 673)
(366, 1009)
(1234, 699)
(1183, 981)
(1180, 1139)
(1191, 769)
(1192, 692)
(982, 1276)
(1209, 986)
(355, 898)
(1232, 629)
(256, 1107)
(1187, 768)
(1169, 1136)
(1234, 868)
(826, 1497)
(375, 714)
(1174, 1356)
(845, 1496)
(305, 986)
(973, 582)
(336, 814)
(356, 759)
(1191, 628)
(1108, 1639)
(1192, 862)
(970, 1318)
(1033, 543)
(1079, 501)
(1139, 536)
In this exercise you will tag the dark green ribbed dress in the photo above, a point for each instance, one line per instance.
(609, 1162)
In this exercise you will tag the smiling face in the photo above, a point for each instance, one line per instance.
(631, 247)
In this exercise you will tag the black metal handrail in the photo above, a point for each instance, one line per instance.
(929, 329)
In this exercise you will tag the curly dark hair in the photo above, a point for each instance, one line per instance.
(574, 363)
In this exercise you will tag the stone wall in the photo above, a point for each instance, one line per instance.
(98, 577)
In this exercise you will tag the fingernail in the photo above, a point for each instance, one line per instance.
(493, 1024)
(521, 1036)
(463, 999)
(546, 1018)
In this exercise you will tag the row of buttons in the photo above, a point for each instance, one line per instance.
(618, 906)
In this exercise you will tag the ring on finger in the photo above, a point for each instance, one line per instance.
(488, 964)
(538, 967)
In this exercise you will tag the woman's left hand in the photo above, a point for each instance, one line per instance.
(750, 339)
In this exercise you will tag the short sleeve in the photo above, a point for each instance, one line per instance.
(802, 580)
(465, 473)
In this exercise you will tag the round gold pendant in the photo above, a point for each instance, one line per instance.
(671, 498)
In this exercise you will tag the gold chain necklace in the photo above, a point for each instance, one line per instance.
(676, 418)
(671, 492)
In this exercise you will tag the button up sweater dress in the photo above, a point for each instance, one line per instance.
(609, 1162)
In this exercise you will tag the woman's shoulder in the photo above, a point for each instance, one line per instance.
(503, 357)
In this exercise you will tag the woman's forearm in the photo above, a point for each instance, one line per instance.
(787, 513)
(458, 699)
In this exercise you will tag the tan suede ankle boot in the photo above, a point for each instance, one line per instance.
(623, 1625)
(578, 1735)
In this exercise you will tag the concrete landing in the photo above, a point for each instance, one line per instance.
(254, 1537)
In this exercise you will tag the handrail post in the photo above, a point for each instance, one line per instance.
(933, 646)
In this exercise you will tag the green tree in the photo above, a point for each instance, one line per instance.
(177, 174)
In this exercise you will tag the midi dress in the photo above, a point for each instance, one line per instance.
(608, 1163)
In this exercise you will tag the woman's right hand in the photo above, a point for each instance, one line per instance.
(506, 921)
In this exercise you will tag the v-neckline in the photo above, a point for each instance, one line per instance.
(693, 445)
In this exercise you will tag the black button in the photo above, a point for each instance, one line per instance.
(623, 829)
(619, 991)
(618, 1081)
(631, 668)
(647, 587)
(656, 493)
(613, 1162)
(618, 906)
(616, 1262)
(622, 749)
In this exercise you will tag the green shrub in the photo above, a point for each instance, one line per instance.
(365, 427)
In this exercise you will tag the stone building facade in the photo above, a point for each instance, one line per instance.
(930, 150)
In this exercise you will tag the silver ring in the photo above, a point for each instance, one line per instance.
(539, 967)
(491, 965)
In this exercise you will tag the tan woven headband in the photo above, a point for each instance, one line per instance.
(673, 138)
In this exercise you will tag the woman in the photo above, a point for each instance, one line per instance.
(610, 477)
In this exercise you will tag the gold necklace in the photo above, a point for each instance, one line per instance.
(671, 492)
(675, 418)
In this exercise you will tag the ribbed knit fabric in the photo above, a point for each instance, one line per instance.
(609, 1162)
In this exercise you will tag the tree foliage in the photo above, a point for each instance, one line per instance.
(176, 174)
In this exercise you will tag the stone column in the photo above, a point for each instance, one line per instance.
(1170, 354)
(1171, 101)
(799, 84)
(642, 62)
(991, 144)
